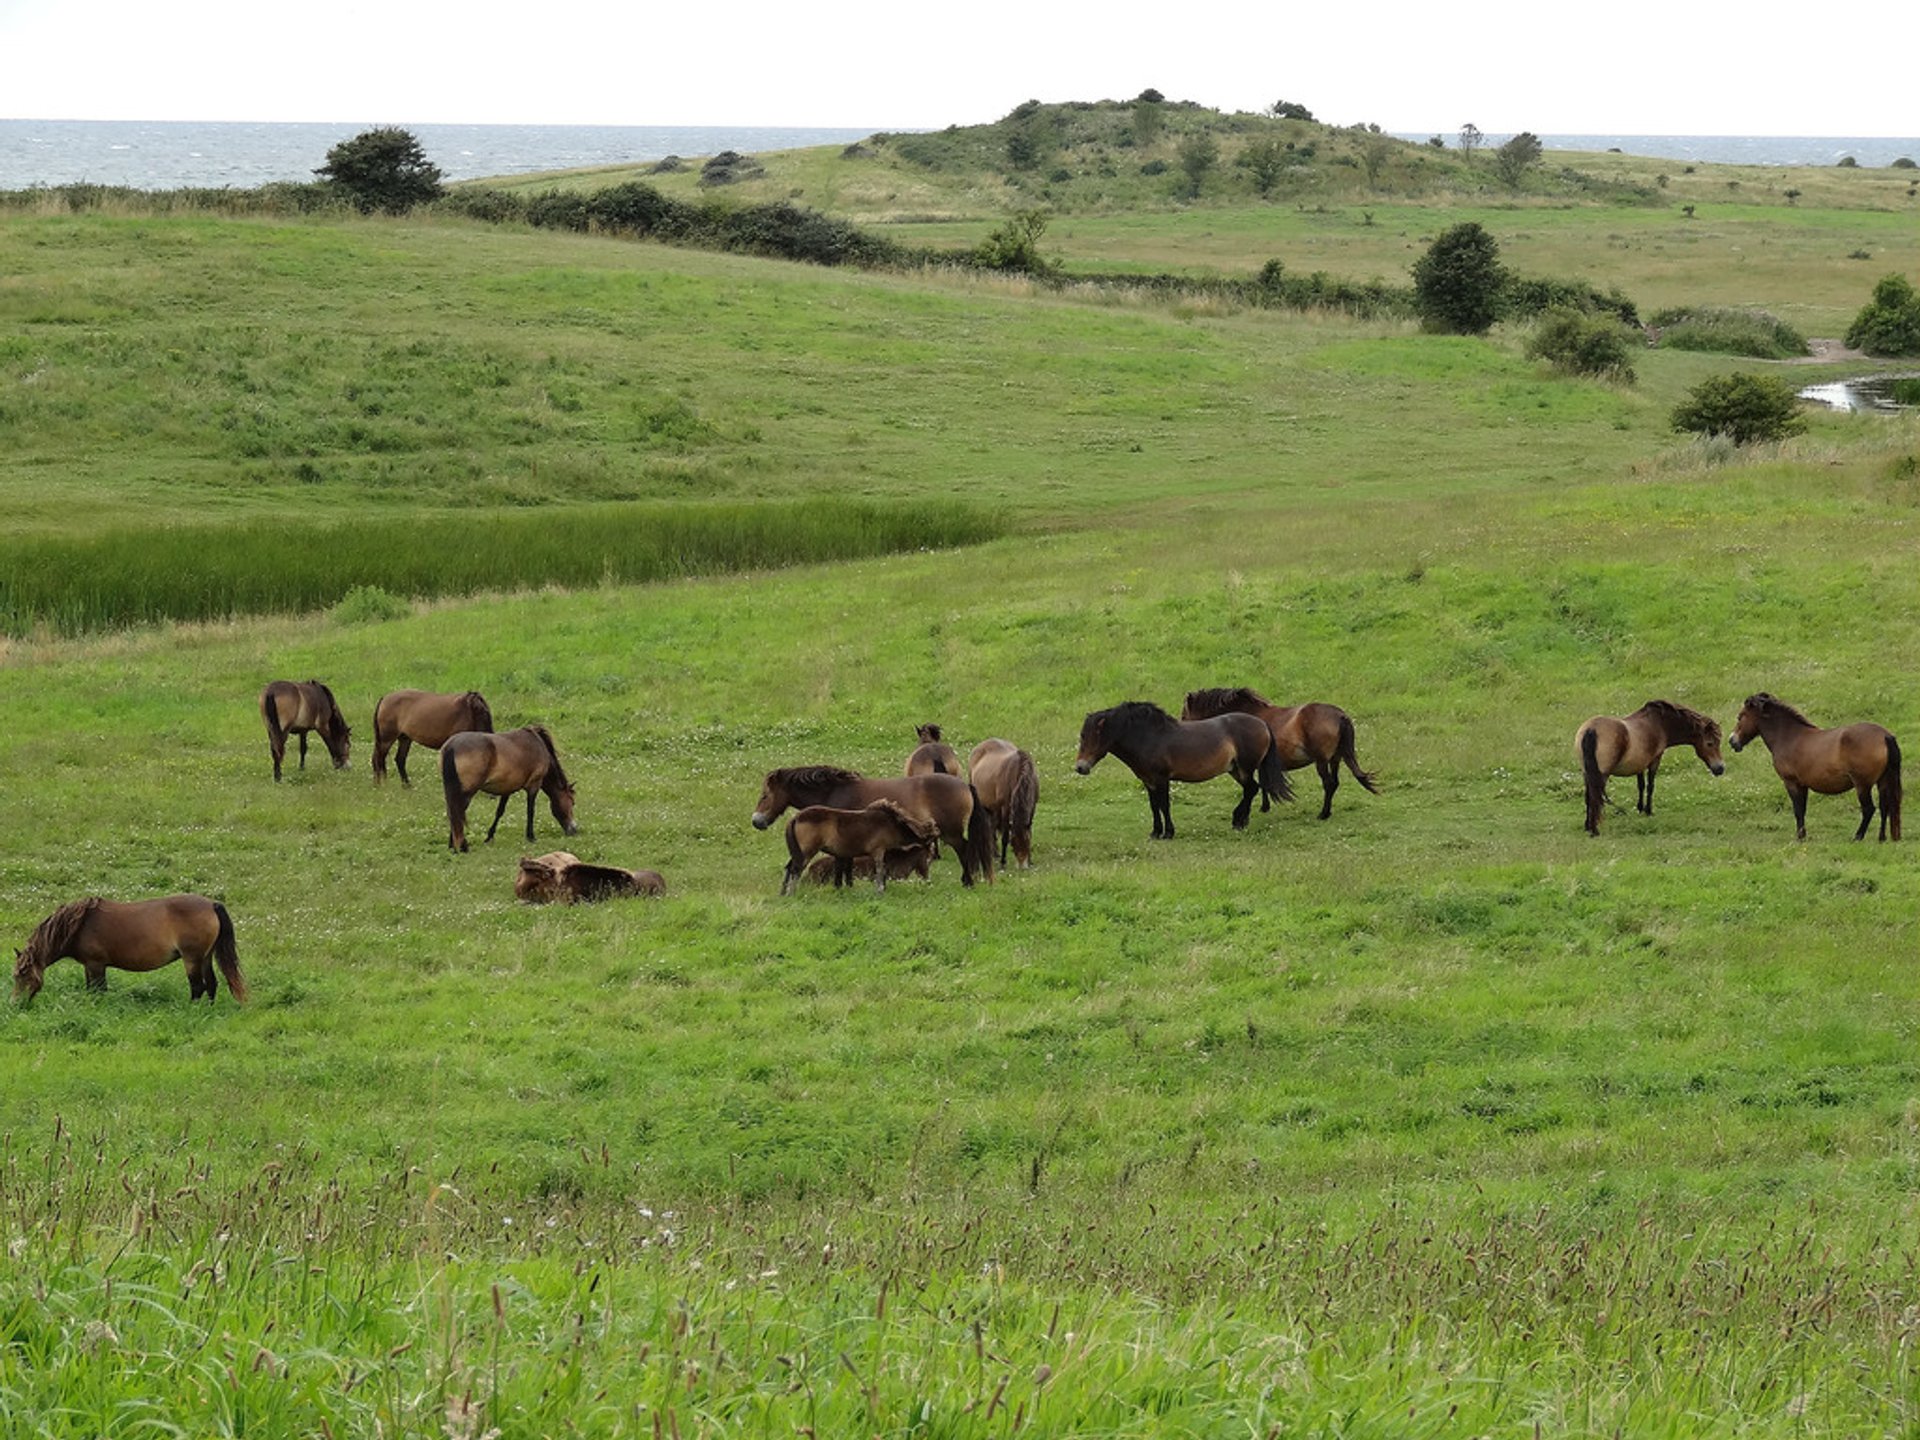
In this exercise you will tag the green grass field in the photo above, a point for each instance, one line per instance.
(1435, 1118)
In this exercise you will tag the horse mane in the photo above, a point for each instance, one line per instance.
(914, 825)
(1704, 727)
(53, 935)
(553, 754)
(811, 777)
(1220, 702)
(478, 708)
(929, 734)
(1132, 716)
(1772, 705)
(333, 705)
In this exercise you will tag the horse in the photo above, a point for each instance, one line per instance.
(1010, 788)
(1160, 749)
(950, 803)
(293, 707)
(1806, 757)
(1316, 734)
(138, 935)
(1633, 746)
(420, 717)
(522, 759)
(909, 862)
(874, 831)
(933, 756)
(564, 877)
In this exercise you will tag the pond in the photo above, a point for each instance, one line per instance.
(1884, 393)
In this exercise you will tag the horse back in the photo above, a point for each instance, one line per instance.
(145, 934)
(944, 800)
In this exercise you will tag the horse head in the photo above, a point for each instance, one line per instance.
(1093, 743)
(560, 799)
(1748, 724)
(26, 977)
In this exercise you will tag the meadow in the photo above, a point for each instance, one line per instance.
(1434, 1118)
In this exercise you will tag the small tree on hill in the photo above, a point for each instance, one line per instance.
(1890, 323)
(1375, 151)
(1744, 408)
(1457, 283)
(1470, 139)
(1289, 110)
(1264, 159)
(1519, 155)
(1015, 246)
(1199, 153)
(384, 169)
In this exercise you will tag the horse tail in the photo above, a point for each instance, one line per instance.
(450, 781)
(270, 712)
(1023, 798)
(1274, 784)
(1596, 782)
(939, 764)
(978, 854)
(228, 954)
(1890, 788)
(1365, 777)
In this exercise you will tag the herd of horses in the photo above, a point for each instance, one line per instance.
(847, 826)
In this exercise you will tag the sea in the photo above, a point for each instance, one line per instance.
(163, 155)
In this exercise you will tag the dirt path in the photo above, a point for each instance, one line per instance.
(1826, 352)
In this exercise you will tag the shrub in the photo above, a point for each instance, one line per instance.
(1264, 159)
(1890, 324)
(1199, 152)
(559, 210)
(365, 603)
(729, 166)
(1582, 344)
(1847, 162)
(1740, 407)
(1524, 297)
(1717, 331)
(384, 169)
(1154, 167)
(1519, 155)
(1015, 246)
(1289, 110)
(1905, 162)
(495, 207)
(1457, 284)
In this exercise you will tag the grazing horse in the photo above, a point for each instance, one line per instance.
(909, 862)
(950, 803)
(933, 756)
(137, 935)
(420, 717)
(565, 878)
(874, 832)
(1160, 749)
(292, 707)
(1316, 734)
(1633, 746)
(522, 759)
(1805, 757)
(1010, 788)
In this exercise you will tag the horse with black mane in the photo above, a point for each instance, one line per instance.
(523, 759)
(421, 717)
(303, 707)
(1633, 745)
(1160, 749)
(948, 802)
(932, 756)
(1805, 757)
(1316, 734)
(136, 935)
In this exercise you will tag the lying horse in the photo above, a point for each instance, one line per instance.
(138, 935)
(1009, 787)
(947, 801)
(1805, 757)
(420, 717)
(1316, 734)
(1633, 745)
(910, 862)
(566, 878)
(292, 707)
(522, 759)
(873, 832)
(1160, 749)
(933, 756)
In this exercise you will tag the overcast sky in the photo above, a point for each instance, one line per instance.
(1632, 67)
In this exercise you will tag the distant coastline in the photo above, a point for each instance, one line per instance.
(1869, 150)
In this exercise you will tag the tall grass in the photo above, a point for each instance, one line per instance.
(142, 575)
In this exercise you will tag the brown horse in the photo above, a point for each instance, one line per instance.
(522, 759)
(1805, 757)
(565, 878)
(950, 803)
(420, 717)
(1316, 734)
(293, 707)
(933, 756)
(1633, 746)
(874, 831)
(1009, 786)
(1160, 749)
(138, 935)
(910, 862)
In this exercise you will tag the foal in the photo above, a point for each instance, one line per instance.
(850, 834)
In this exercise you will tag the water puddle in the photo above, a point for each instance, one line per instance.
(1882, 393)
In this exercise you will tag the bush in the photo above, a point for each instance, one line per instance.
(1519, 155)
(1905, 162)
(1015, 246)
(1742, 408)
(1847, 162)
(1524, 298)
(1890, 324)
(1716, 331)
(365, 603)
(1582, 344)
(383, 169)
(495, 207)
(1457, 284)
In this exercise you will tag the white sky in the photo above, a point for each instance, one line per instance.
(1631, 67)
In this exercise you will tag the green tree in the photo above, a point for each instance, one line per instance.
(1264, 159)
(1890, 323)
(1015, 246)
(1457, 283)
(1519, 155)
(1744, 408)
(1289, 110)
(384, 169)
(1147, 117)
(1470, 139)
(1375, 151)
(1199, 152)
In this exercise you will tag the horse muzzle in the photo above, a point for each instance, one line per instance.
(1718, 769)
(1736, 746)
(760, 822)
(1083, 767)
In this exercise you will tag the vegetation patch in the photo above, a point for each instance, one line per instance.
(1724, 331)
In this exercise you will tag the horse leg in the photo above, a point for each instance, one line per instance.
(501, 811)
(1330, 782)
(1640, 792)
(1166, 809)
(529, 814)
(400, 758)
(1153, 804)
(880, 871)
(1865, 792)
(96, 977)
(1798, 795)
(303, 749)
(278, 745)
(1249, 789)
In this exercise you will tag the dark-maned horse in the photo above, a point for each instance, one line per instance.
(303, 707)
(136, 935)
(1003, 773)
(933, 756)
(1805, 757)
(949, 802)
(565, 878)
(522, 759)
(873, 831)
(1316, 734)
(1160, 749)
(1633, 744)
(421, 717)
(909, 862)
